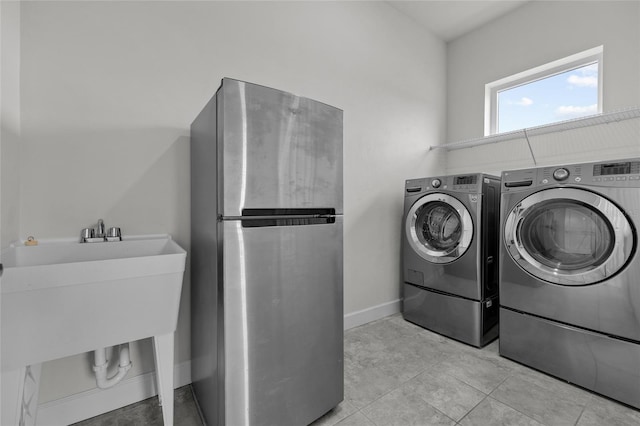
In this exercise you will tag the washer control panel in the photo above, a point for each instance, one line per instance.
(471, 183)
(465, 181)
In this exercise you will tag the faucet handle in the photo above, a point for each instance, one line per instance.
(114, 234)
(86, 234)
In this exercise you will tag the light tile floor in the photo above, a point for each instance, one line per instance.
(149, 413)
(397, 373)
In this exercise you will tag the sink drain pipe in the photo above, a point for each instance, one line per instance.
(101, 363)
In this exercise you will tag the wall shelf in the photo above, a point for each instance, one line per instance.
(593, 120)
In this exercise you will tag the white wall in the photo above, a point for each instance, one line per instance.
(537, 33)
(9, 142)
(10, 120)
(109, 90)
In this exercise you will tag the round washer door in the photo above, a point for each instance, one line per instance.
(568, 236)
(439, 228)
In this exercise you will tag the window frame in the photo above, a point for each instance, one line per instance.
(578, 60)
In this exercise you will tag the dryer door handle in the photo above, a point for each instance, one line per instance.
(518, 184)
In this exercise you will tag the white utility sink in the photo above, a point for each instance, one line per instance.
(61, 298)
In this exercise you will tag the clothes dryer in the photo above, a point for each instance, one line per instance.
(570, 274)
(450, 248)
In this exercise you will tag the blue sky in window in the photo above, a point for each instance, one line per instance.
(564, 96)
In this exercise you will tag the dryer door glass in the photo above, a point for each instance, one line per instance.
(568, 236)
(439, 228)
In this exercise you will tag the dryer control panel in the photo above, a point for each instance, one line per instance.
(619, 171)
(623, 173)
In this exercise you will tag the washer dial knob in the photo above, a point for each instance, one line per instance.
(436, 183)
(560, 174)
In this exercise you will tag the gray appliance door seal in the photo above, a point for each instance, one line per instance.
(439, 228)
(568, 236)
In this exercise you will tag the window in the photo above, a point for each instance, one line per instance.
(561, 90)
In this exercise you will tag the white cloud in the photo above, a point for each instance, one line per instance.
(569, 111)
(583, 81)
(524, 102)
(586, 76)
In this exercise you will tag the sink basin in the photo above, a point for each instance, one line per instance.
(61, 298)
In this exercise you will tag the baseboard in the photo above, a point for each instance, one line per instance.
(373, 313)
(94, 402)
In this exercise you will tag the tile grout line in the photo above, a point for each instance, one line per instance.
(427, 371)
(563, 382)
(445, 414)
(507, 404)
(517, 411)
(527, 380)
(367, 417)
(387, 393)
(424, 371)
(584, 407)
(473, 408)
(480, 390)
(396, 388)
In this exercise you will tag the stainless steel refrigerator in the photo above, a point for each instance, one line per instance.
(266, 257)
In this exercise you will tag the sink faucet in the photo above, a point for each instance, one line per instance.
(100, 229)
(97, 234)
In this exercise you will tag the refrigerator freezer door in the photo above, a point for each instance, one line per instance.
(283, 322)
(277, 150)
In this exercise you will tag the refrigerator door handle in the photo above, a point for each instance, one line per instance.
(290, 220)
(288, 211)
(290, 216)
(270, 214)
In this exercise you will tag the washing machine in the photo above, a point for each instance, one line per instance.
(449, 254)
(570, 274)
